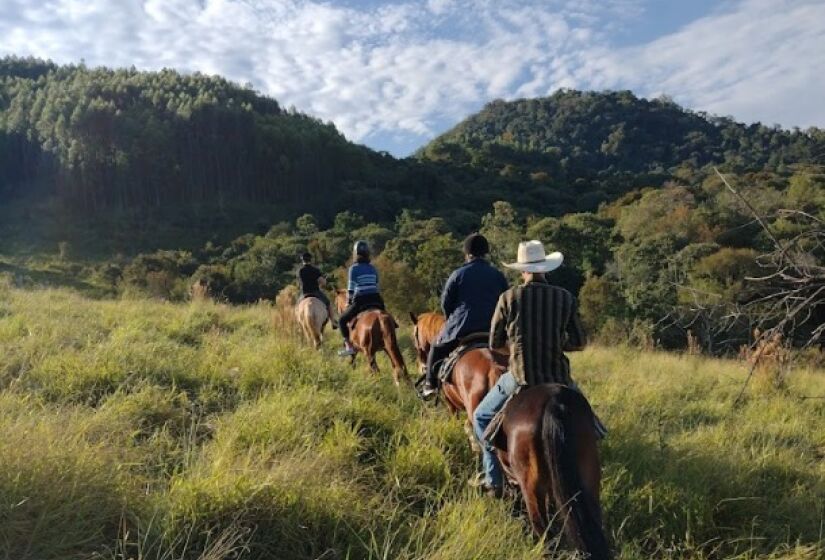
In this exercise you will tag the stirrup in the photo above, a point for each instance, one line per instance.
(427, 391)
(346, 352)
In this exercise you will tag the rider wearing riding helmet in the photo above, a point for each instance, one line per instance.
(362, 292)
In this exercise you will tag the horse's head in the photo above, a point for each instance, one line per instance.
(341, 300)
(426, 327)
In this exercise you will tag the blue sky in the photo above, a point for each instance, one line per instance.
(393, 74)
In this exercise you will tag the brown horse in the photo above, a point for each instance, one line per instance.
(473, 375)
(372, 331)
(425, 330)
(546, 444)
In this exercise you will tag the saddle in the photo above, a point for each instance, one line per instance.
(472, 341)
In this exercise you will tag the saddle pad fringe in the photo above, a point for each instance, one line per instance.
(445, 372)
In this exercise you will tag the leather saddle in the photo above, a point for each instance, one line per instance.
(473, 341)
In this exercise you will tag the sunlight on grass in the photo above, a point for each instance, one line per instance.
(142, 429)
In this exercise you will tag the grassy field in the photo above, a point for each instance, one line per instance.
(142, 429)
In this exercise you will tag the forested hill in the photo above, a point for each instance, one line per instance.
(573, 135)
(89, 145)
(124, 139)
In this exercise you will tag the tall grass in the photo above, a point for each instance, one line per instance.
(148, 430)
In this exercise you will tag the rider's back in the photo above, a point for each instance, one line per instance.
(470, 298)
(308, 276)
(363, 279)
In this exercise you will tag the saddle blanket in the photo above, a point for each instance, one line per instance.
(472, 342)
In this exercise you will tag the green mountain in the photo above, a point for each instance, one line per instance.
(575, 133)
(134, 154)
(103, 140)
(115, 181)
(602, 144)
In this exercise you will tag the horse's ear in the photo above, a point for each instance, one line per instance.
(413, 318)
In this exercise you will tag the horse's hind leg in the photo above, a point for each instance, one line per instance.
(373, 364)
(534, 489)
(307, 333)
(590, 470)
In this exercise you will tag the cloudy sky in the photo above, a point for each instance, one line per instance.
(393, 74)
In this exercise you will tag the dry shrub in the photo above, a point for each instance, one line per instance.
(770, 356)
(160, 283)
(199, 291)
(693, 346)
(283, 314)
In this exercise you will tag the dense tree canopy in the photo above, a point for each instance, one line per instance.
(123, 139)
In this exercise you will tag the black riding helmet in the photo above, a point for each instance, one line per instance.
(361, 249)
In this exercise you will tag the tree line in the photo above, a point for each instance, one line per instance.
(651, 267)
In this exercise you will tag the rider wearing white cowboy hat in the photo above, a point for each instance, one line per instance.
(532, 258)
(535, 323)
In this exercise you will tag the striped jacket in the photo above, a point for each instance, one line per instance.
(538, 322)
(362, 280)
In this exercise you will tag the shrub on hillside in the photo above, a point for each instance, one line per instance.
(161, 274)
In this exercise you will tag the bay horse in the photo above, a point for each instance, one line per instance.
(372, 331)
(473, 376)
(312, 316)
(547, 444)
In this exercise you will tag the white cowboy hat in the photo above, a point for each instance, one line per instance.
(531, 258)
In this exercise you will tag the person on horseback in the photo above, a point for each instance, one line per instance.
(468, 301)
(535, 323)
(311, 282)
(362, 292)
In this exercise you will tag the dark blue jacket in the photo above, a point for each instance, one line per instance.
(470, 298)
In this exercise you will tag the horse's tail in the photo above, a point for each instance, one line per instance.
(577, 509)
(312, 316)
(388, 326)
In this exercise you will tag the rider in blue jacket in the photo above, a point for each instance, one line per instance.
(362, 289)
(468, 301)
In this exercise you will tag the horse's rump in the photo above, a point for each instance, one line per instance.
(374, 330)
(312, 315)
(554, 424)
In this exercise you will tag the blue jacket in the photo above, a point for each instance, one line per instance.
(363, 280)
(470, 298)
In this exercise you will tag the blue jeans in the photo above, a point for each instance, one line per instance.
(482, 417)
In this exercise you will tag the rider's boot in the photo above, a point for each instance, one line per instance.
(348, 349)
(428, 390)
(480, 483)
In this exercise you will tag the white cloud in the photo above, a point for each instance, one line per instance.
(762, 61)
(398, 73)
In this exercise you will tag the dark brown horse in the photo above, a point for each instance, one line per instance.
(372, 331)
(546, 444)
